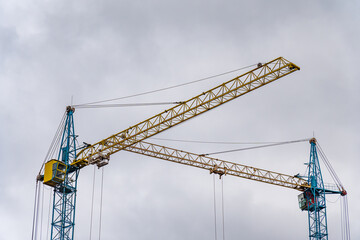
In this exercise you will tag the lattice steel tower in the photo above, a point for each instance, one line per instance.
(315, 196)
(65, 181)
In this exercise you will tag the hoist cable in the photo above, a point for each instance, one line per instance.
(327, 200)
(342, 219)
(345, 230)
(49, 215)
(345, 219)
(248, 148)
(222, 203)
(92, 203)
(34, 214)
(166, 88)
(42, 211)
(215, 207)
(37, 211)
(101, 200)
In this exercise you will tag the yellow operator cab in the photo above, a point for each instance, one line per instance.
(54, 172)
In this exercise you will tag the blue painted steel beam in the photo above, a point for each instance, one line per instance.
(64, 200)
(315, 198)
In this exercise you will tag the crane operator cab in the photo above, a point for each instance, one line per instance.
(55, 171)
(307, 201)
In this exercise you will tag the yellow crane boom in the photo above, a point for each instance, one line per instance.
(218, 166)
(99, 153)
(62, 174)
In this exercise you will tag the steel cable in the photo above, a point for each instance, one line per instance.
(346, 224)
(48, 223)
(215, 207)
(54, 142)
(222, 205)
(263, 146)
(345, 227)
(342, 219)
(42, 211)
(37, 212)
(166, 88)
(101, 200)
(211, 142)
(92, 203)
(330, 168)
(34, 214)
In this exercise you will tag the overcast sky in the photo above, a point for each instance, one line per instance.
(55, 51)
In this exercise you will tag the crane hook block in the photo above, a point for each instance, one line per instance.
(99, 159)
(216, 170)
(54, 173)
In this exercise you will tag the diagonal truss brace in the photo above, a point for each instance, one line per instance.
(218, 166)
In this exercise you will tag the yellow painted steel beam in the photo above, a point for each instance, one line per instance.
(225, 92)
(218, 166)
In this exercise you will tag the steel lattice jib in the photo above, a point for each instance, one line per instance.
(54, 173)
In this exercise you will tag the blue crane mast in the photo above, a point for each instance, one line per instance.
(313, 198)
(316, 198)
(63, 177)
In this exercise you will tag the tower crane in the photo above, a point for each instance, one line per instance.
(62, 173)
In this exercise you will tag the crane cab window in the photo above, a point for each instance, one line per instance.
(55, 171)
(302, 201)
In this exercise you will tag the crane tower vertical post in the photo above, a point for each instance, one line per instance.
(315, 198)
(64, 198)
